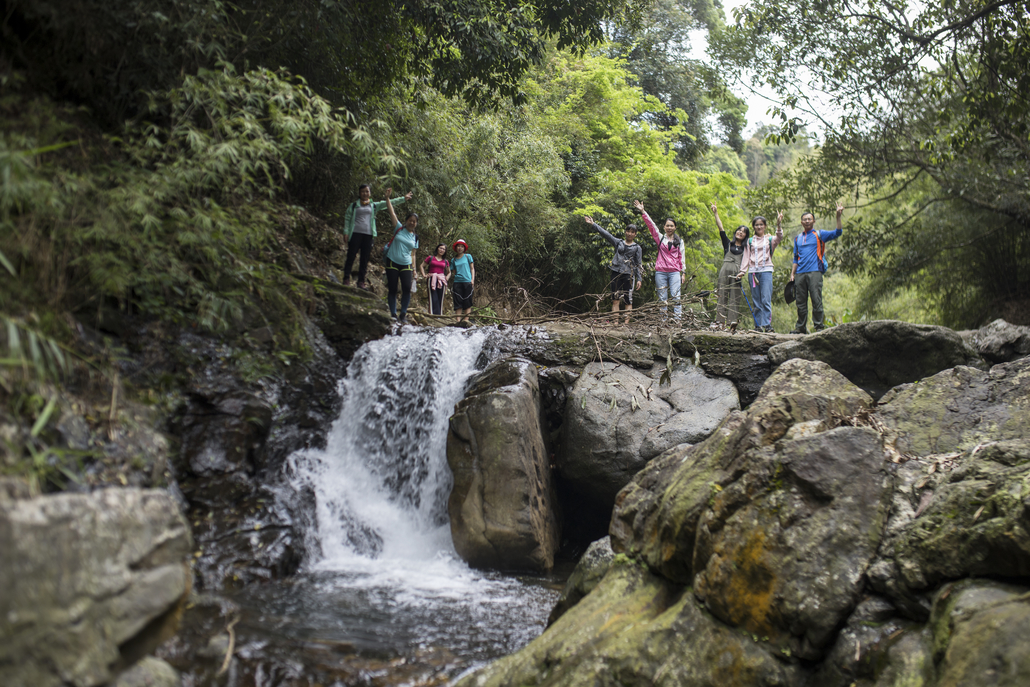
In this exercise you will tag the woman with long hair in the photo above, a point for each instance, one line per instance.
(439, 273)
(729, 290)
(670, 265)
(757, 261)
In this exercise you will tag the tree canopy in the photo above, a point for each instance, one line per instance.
(925, 118)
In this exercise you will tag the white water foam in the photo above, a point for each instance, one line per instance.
(381, 484)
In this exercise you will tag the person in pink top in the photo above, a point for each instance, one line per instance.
(439, 272)
(670, 265)
(757, 261)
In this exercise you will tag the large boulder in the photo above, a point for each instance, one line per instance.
(91, 583)
(980, 631)
(618, 418)
(1001, 342)
(960, 408)
(881, 354)
(775, 518)
(591, 568)
(503, 509)
(636, 628)
(657, 514)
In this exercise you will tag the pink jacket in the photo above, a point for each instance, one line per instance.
(670, 257)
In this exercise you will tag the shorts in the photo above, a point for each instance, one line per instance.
(462, 292)
(622, 287)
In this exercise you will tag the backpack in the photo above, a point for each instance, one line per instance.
(820, 251)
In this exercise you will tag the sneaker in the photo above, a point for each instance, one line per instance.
(768, 329)
(819, 328)
(801, 331)
(363, 285)
(403, 319)
(346, 281)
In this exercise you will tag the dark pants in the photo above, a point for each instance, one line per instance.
(397, 274)
(359, 243)
(436, 301)
(462, 292)
(805, 285)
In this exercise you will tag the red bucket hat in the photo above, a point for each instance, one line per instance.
(460, 242)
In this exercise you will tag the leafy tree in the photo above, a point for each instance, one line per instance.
(933, 99)
(657, 54)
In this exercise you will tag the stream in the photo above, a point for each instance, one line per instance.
(384, 599)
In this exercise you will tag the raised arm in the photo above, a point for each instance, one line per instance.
(648, 221)
(722, 232)
(611, 239)
(389, 206)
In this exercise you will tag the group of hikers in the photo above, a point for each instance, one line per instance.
(743, 255)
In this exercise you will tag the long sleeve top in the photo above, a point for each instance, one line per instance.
(628, 257)
(671, 257)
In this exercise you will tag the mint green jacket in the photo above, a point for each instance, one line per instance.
(348, 218)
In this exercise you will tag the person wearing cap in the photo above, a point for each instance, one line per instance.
(359, 228)
(626, 267)
(400, 260)
(807, 270)
(464, 269)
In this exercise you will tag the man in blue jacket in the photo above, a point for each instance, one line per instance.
(807, 270)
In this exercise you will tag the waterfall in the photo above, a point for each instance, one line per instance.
(382, 576)
(380, 485)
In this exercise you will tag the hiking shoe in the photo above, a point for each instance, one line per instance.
(346, 281)
(802, 331)
(363, 285)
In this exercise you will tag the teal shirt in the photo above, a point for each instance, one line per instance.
(462, 268)
(403, 244)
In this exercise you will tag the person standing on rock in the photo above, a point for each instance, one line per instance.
(359, 227)
(670, 265)
(400, 260)
(757, 261)
(807, 270)
(464, 280)
(729, 290)
(439, 273)
(626, 267)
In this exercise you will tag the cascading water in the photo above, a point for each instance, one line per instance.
(383, 578)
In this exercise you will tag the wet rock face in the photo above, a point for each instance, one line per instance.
(617, 419)
(879, 355)
(91, 583)
(636, 628)
(503, 508)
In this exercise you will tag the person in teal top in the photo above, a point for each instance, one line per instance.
(464, 280)
(359, 227)
(400, 268)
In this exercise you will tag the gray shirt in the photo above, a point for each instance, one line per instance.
(628, 256)
(363, 219)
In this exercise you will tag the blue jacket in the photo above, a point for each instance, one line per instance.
(810, 250)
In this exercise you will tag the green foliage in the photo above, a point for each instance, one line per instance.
(694, 94)
(930, 106)
(176, 222)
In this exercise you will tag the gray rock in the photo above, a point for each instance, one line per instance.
(592, 566)
(617, 419)
(502, 505)
(89, 581)
(699, 404)
(881, 354)
(980, 634)
(150, 672)
(607, 417)
(1001, 342)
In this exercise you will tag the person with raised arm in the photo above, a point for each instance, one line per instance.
(808, 267)
(626, 267)
(670, 265)
(400, 259)
(729, 289)
(757, 261)
(359, 228)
